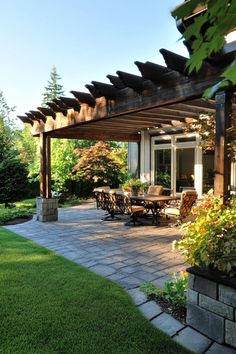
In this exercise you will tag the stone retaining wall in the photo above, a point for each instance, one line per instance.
(47, 209)
(211, 308)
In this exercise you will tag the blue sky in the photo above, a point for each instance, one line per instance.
(85, 40)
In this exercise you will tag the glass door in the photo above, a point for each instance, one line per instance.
(162, 167)
(184, 175)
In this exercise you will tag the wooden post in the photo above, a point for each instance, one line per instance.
(42, 165)
(222, 162)
(45, 166)
(48, 167)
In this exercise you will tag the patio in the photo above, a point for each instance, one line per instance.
(127, 255)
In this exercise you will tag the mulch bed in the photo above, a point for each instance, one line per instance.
(178, 313)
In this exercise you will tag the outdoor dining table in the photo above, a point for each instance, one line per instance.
(154, 203)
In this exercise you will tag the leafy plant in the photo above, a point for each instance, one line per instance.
(206, 34)
(164, 179)
(97, 165)
(210, 240)
(14, 213)
(174, 291)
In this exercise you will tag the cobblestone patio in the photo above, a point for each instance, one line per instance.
(128, 255)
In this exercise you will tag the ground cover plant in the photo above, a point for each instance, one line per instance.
(19, 210)
(172, 297)
(51, 305)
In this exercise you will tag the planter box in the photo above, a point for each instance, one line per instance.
(211, 305)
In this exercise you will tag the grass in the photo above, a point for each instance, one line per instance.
(51, 305)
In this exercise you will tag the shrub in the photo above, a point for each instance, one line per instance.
(14, 213)
(174, 291)
(13, 180)
(210, 240)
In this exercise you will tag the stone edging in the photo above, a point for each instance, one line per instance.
(183, 334)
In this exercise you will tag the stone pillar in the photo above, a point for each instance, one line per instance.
(47, 209)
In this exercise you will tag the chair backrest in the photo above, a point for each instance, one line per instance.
(155, 190)
(102, 189)
(188, 198)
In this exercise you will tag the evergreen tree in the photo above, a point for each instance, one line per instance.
(6, 125)
(13, 179)
(53, 89)
(13, 173)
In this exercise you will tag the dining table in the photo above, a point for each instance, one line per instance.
(154, 203)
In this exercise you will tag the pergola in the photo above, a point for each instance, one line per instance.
(163, 96)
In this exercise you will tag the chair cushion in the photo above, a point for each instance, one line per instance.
(137, 209)
(172, 211)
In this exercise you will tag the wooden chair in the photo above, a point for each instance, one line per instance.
(188, 198)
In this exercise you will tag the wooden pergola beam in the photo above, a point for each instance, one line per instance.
(107, 90)
(133, 81)
(56, 108)
(39, 115)
(47, 112)
(26, 120)
(71, 103)
(84, 97)
(116, 81)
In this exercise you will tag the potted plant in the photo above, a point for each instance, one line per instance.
(132, 185)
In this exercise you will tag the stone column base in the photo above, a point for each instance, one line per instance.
(47, 209)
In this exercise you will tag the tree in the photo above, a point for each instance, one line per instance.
(6, 125)
(13, 179)
(13, 173)
(96, 165)
(27, 147)
(207, 34)
(53, 89)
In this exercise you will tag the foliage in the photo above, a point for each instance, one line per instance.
(6, 124)
(133, 183)
(9, 214)
(210, 241)
(174, 291)
(53, 88)
(63, 160)
(13, 179)
(206, 128)
(207, 34)
(28, 149)
(52, 305)
(96, 165)
(69, 201)
(164, 179)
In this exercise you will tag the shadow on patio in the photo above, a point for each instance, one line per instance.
(127, 255)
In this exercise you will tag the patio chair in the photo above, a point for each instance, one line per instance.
(133, 210)
(155, 189)
(99, 195)
(181, 211)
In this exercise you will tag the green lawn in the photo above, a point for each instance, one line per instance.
(51, 305)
